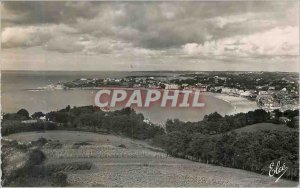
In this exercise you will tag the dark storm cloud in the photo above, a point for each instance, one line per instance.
(47, 12)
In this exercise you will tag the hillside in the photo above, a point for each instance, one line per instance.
(264, 127)
(118, 161)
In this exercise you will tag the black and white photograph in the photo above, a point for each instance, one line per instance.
(150, 93)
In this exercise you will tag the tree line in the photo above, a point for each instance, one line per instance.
(253, 151)
(214, 141)
(89, 118)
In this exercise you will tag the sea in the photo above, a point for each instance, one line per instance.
(18, 90)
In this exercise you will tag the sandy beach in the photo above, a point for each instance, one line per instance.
(240, 104)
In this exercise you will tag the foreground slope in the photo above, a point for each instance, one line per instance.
(119, 161)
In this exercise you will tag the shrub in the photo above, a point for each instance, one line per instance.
(36, 157)
(59, 179)
(122, 146)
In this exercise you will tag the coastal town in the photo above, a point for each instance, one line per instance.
(270, 90)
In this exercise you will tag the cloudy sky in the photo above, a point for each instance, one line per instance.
(150, 35)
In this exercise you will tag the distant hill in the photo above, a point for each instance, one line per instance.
(264, 127)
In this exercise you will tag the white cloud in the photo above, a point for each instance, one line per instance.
(17, 36)
(222, 21)
(277, 41)
(27, 36)
(95, 46)
(64, 44)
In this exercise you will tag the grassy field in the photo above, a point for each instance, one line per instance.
(119, 161)
(264, 127)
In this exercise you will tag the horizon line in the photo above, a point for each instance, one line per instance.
(152, 71)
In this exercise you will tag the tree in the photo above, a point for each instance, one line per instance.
(126, 111)
(37, 115)
(177, 143)
(200, 147)
(68, 108)
(24, 113)
(213, 117)
(277, 113)
(294, 123)
(260, 115)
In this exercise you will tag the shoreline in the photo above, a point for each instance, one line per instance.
(240, 104)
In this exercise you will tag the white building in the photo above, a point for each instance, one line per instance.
(171, 86)
(246, 94)
(227, 90)
(29, 121)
